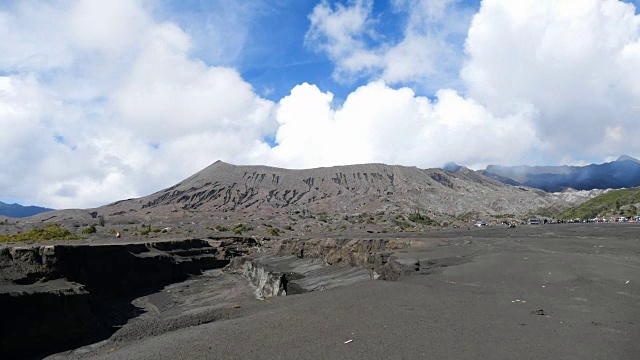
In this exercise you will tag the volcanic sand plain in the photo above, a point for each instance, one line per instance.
(561, 291)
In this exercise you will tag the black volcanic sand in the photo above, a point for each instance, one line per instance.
(547, 292)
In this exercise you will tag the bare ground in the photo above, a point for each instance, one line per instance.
(566, 291)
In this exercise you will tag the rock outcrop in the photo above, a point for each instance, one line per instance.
(279, 275)
(374, 255)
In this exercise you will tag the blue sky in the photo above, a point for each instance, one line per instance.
(274, 56)
(104, 100)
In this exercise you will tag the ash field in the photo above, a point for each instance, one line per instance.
(568, 291)
(359, 278)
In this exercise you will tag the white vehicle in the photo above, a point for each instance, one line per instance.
(536, 221)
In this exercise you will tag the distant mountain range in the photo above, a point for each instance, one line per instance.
(622, 173)
(19, 211)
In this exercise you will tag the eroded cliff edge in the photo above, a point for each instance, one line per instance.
(59, 296)
(64, 296)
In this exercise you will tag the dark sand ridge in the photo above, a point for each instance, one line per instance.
(549, 292)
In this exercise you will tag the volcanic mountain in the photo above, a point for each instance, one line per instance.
(252, 190)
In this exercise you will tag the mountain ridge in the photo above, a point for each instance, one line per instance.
(19, 211)
(320, 199)
(621, 173)
(258, 186)
(258, 190)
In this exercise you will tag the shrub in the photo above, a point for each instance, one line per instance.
(502, 216)
(146, 230)
(221, 228)
(89, 230)
(422, 219)
(239, 228)
(403, 225)
(51, 232)
(273, 231)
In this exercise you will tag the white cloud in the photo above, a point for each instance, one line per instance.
(110, 27)
(425, 55)
(574, 61)
(167, 95)
(39, 164)
(342, 33)
(104, 102)
(379, 124)
(22, 43)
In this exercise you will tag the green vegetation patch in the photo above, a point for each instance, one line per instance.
(552, 211)
(240, 228)
(400, 221)
(51, 232)
(273, 231)
(503, 216)
(603, 204)
(146, 230)
(422, 219)
(89, 230)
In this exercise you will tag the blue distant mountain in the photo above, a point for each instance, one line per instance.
(622, 173)
(19, 211)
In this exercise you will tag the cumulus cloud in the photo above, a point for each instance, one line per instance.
(104, 102)
(573, 64)
(167, 95)
(574, 61)
(395, 126)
